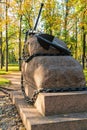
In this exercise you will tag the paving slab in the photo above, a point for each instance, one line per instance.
(33, 120)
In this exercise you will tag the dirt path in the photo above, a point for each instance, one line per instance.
(15, 78)
(9, 117)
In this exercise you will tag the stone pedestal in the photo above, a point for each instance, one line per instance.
(61, 103)
(52, 111)
(72, 105)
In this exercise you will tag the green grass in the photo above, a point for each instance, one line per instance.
(3, 72)
(85, 73)
(4, 81)
(11, 68)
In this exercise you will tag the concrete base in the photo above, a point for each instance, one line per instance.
(33, 120)
(59, 103)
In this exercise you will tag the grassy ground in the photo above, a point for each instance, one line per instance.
(11, 68)
(4, 81)
(85, 73)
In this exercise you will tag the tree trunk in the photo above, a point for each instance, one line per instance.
(84, 40)
(20, 39)
(6, 36)
(84, 48)
(76, 37)
(1, 60)
(1, 54)
(66, 15)
(20, 46)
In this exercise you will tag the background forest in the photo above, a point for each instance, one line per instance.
(65, 19)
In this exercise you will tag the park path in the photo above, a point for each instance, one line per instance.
(14, 78)
(9, 117)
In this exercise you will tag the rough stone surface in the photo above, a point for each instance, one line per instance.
(61, 103)
(34, 47)
(53, 72)
(50, 71)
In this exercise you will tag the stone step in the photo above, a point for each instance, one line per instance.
(33, 120)
(59, 103)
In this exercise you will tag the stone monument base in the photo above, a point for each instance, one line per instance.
(47, 115)
(61, 103)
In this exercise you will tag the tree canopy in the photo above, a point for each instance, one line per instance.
(65, 19)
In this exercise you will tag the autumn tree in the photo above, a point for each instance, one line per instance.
(65, 19)
(1, 36)
(1, 30)
(51, 17)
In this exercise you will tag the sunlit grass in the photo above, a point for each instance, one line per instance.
(4, 81)
(3, 72)
(85, 73)
(11, 67)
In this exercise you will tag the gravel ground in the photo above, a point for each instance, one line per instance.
(9, 117)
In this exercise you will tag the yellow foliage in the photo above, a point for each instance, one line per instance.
(20, 12)
(13, 4)
(53, 16)
(0, 10)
